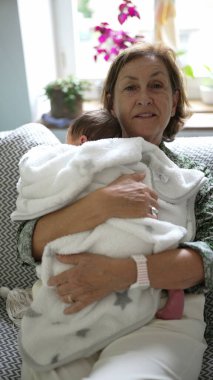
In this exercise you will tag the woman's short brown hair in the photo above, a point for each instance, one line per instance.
(168, 57)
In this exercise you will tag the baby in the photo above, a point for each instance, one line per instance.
(93, 125)
(100, 124)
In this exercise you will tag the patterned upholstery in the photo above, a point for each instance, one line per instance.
(12, 274)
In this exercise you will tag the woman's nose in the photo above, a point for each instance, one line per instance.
(144, 100)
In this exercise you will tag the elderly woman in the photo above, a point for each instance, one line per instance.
(145, 92)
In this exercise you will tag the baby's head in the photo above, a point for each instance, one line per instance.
(93, 125)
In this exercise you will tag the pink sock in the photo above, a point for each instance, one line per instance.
(174, 305)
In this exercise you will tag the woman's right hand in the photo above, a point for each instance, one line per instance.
(129, 197)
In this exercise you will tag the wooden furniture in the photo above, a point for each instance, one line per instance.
(201, 121)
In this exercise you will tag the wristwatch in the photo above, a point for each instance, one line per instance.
(142, 271)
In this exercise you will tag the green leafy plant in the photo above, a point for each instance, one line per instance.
(71, 88)
(187, 69)
(66, 96)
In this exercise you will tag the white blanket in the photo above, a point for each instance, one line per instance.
(51, 177)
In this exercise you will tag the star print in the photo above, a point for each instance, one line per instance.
(56, 323)
(149, 229)
(55, 359)
(122, 299)
(82, 333)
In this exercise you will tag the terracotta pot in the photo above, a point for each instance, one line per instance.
(60, 109)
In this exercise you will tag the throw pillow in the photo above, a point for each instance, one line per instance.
(12, 146)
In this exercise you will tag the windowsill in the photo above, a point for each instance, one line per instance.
(200, 120)
(197, 106)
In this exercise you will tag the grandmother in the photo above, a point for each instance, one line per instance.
(144, 91)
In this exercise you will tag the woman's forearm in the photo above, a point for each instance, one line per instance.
(85, 214)
(179, 268)
(175, 269)
(92, 276)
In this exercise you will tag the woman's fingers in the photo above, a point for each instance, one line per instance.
(91, 278)
(129, 197)
(81, 303)
(59, 279)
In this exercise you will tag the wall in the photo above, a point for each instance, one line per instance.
(14, 100)
(39, 50)
(65, 35)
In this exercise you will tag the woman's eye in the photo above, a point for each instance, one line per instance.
(156, 85)
(130, 88)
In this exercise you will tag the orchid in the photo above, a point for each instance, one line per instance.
(110, 41)
(127, 9)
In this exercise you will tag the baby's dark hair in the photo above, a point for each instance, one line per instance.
(95, 125)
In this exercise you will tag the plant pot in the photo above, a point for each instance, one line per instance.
(61, 109)
(206, 93)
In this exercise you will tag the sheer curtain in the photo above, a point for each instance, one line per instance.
(165, 23)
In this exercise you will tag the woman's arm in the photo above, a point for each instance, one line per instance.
(126, 197)
(94, 276)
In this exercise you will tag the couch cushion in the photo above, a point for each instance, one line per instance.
(199, 149)
(12, 146)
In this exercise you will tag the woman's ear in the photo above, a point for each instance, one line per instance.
(83, 139)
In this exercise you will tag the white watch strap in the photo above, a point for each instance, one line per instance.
(142, 271)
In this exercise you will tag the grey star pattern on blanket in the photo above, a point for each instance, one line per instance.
(149, 229)
(82, 333)
(55, 359)
(122, 299)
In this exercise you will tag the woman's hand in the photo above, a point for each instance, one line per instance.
(91, 278)
(129, 197)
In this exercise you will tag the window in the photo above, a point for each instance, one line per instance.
(106, 11)
(193, 22)
(65, 39)
(195, 27)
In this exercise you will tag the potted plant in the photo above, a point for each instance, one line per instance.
(206, 86)
(66, 97)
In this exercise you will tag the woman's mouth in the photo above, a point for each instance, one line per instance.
(145, 115)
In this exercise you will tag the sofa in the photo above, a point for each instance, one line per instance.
(13, 274)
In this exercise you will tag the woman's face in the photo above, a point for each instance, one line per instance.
(143, 101)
